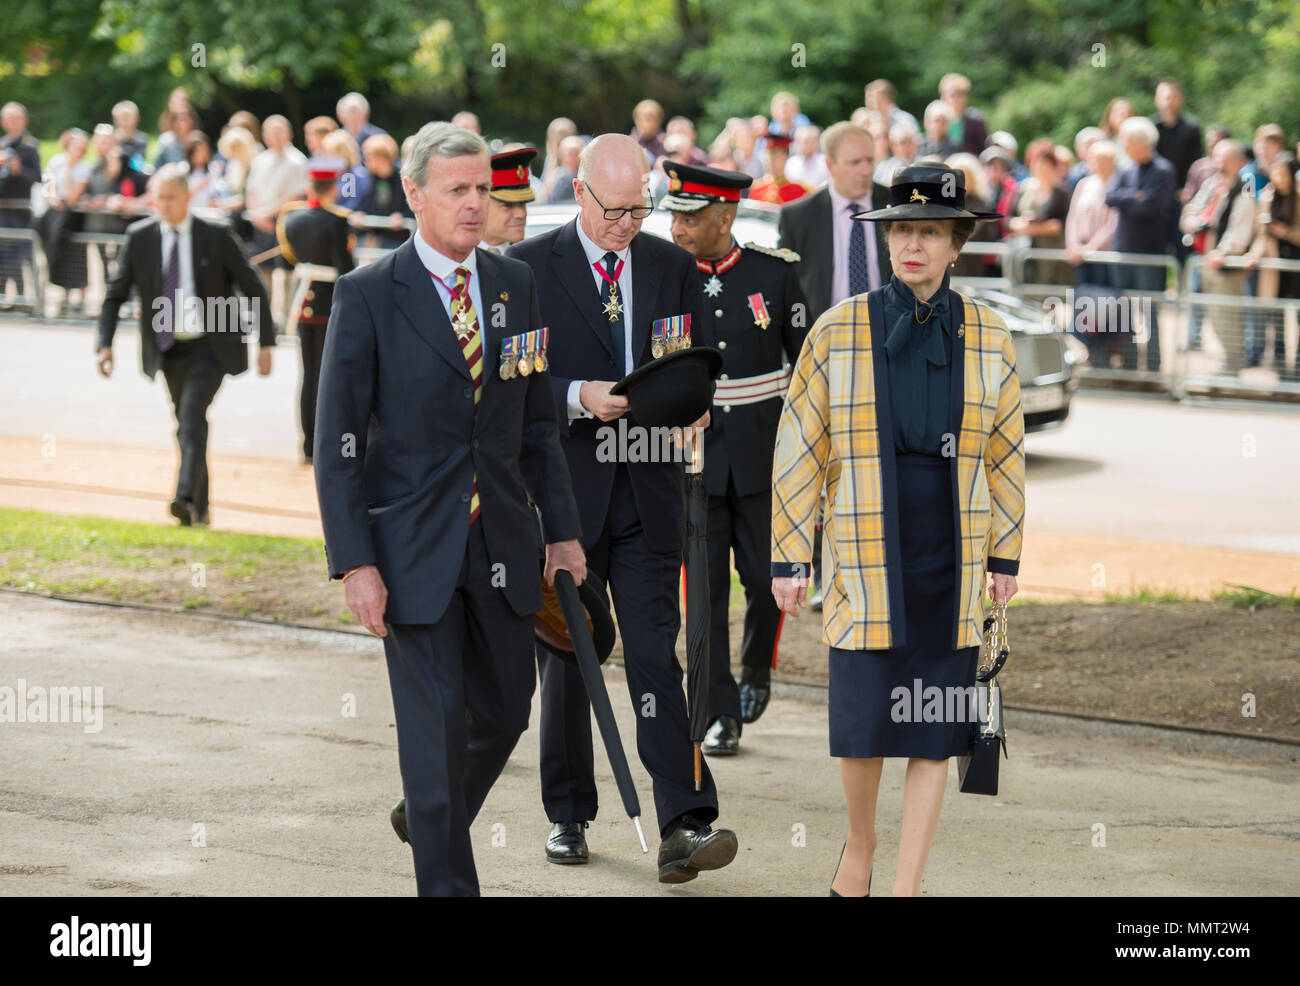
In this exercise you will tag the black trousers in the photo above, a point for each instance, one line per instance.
(193, 377)
(311, 341)
(1134, 277)
(462, 690)
(645, 587)
(742, 524)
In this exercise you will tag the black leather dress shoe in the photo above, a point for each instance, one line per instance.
(183, 510)
(723, 738)
(398, 817)
(755, 690)
(567, 844)
(694, 846)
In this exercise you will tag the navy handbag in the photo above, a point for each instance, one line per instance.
(977, 771)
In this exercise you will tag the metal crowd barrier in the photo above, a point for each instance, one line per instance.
(1210, 336)
(1237, 342)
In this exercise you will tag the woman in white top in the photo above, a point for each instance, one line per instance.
(65, 180)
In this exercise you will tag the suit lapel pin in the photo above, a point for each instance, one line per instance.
(505, 295)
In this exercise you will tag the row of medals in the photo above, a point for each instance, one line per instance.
(670, 345)
(510, 368)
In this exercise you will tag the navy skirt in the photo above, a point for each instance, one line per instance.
(911, 701)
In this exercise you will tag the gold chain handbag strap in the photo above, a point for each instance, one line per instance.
(996, 650)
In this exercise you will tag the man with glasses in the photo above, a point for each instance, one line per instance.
(601, 287)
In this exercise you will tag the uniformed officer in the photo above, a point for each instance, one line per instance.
(755, 313)
(512, 190)
(774, 187)
(314, 237)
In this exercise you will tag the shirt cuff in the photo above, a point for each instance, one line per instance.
(1004, 566)
(791, 570)
(576, 410)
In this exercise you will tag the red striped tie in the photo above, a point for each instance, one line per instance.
(465, 322)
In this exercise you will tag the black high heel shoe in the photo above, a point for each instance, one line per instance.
(837, 873)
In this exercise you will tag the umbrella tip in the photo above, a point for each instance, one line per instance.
(636, 820)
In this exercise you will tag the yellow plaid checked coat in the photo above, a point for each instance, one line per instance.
(834, 430)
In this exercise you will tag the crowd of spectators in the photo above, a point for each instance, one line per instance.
(1156, 186)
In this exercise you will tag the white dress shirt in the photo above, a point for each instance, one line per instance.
(188, 321)
(596, 255)
(443, 269)
(841, 228)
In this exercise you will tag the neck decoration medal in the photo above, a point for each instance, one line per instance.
(613, 307)
(713, 287)
(759, 307)
(461, 323)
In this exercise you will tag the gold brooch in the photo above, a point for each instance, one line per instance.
(918, 197)
(505, 295)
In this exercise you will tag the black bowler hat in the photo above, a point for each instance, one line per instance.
(927, 191)
(550, 630)
(692, 187)
(674, 390)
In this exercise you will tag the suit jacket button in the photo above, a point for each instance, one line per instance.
(476, 443)
(722, 376)
(469, 392)
(310, 295)
(726, 408)
(306, 312)
(464, 498)
(717, 313)
(722, 343)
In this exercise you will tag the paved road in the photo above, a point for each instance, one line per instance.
(1131, 493)
(238, 728)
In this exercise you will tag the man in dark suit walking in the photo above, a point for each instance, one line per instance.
(838, 258)
(601, 287)
(185, 270)
(427, 456)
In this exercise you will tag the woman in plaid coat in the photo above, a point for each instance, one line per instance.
(905, 405)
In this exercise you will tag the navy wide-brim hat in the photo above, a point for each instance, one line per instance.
(926, 191)
(674, 390)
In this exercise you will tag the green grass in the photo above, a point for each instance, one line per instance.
(142, 562)
(34, 544)
(1248, 597)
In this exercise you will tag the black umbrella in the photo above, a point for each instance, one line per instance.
(585, 652)
(697, 598)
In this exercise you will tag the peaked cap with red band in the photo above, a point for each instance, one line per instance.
(692, 187)
(511, 179)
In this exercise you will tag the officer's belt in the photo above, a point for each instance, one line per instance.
(752, 390)
(304, 275)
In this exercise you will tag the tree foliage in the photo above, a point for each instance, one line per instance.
(1039, 67)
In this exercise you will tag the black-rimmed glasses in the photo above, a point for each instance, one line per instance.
(614, 215)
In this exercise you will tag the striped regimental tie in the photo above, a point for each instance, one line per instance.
(465, 321)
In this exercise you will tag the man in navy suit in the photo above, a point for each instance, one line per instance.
(428, 459)
(601, 286)
(186, 271)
